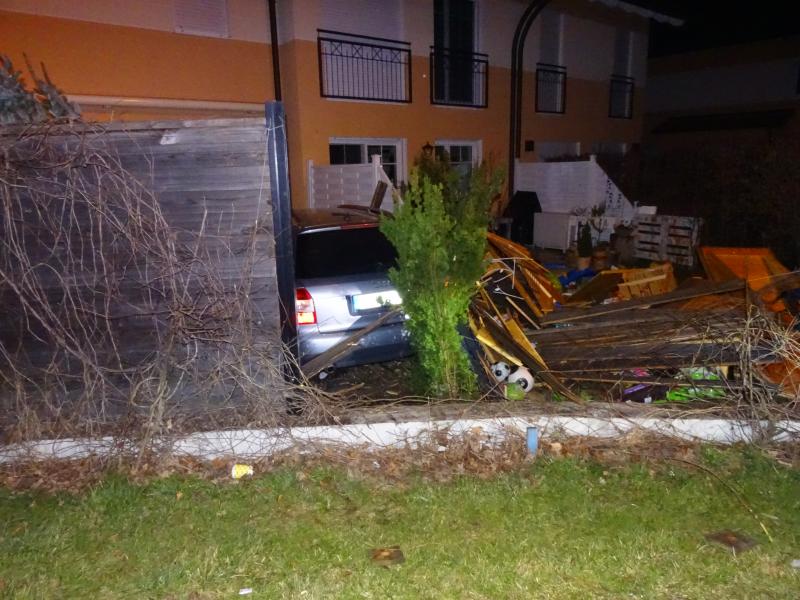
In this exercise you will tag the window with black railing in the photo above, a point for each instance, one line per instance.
(459, 78)
(551, 88)
(360, 67)
(620, 97)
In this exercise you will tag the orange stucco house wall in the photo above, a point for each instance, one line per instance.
(96, 48)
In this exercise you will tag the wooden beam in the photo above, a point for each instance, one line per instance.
(706, 289)
(345, 347)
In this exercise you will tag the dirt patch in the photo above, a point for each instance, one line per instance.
(388, 381)
(440, 460)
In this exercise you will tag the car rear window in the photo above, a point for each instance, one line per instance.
(340, 252)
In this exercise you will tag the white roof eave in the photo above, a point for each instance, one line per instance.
(642, 12)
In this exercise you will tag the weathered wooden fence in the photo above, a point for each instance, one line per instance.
(197, 195)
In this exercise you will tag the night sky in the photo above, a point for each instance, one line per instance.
(711, 23)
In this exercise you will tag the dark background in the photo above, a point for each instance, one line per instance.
(711, 23)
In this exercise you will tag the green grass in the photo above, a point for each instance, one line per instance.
(556, 529)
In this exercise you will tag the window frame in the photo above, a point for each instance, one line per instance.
(401, 164)
(475, 145)
(629, 91)
(557, 69)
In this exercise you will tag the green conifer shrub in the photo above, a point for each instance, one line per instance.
(440, 239)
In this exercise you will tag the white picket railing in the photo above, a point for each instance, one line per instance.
(334, 185)
(563, 187)
(567, 188)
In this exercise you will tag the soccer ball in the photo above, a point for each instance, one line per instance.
(500, 370)
(523, 378)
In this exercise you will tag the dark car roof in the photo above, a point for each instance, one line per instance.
(313, 218)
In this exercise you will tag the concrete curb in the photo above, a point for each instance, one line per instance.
(260, 443)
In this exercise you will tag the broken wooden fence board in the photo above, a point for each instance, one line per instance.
(704, 289)
(345, 347)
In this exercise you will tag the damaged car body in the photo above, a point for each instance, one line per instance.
(342, 286)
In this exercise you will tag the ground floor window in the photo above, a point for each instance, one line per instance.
(347, 151)
(558, 151)
(462, 154)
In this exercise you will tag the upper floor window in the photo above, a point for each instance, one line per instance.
(551, 75)
(459, 74)
(551, 88)
(361, 67)
(361, 53)
(620, 97)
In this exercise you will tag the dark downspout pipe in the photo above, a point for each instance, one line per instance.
(276, 55)
(517, 53)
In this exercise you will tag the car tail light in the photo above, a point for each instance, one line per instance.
(304, 307)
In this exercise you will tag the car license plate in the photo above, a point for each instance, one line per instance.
(376, 300)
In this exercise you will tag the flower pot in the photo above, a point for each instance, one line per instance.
(600, 260)
(571, 257)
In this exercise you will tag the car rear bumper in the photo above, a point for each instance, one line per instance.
(389, 342)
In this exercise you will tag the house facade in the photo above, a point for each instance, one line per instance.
(358, 78)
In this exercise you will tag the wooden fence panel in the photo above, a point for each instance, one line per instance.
(211, 181)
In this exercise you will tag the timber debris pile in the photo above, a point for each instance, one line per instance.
(636, 332)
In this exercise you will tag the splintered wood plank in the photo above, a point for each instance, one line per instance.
(346, 346)
(597, 289)
(705, 289)
(504, 339)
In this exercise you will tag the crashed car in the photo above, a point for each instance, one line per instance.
(342, 285)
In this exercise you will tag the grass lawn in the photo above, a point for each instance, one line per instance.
(557, 528)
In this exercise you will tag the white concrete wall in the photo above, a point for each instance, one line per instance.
(588, 49)
(497, 22)
(587, 45)
(565, 186)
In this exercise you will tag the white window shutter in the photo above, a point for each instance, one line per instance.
(377, 18)
(622, 52)
(202, 17)
(551, 37)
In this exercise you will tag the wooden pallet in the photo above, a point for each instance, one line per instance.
(664, 237)
(637, 283)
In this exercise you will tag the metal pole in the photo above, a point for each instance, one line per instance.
(276, 58)
(278, 159)
(517, 54)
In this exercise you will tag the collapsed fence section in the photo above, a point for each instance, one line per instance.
(137, 275)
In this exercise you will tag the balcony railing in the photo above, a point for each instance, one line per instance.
(620, 98)
(459, 78)
(361, 67)
(551, 88)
